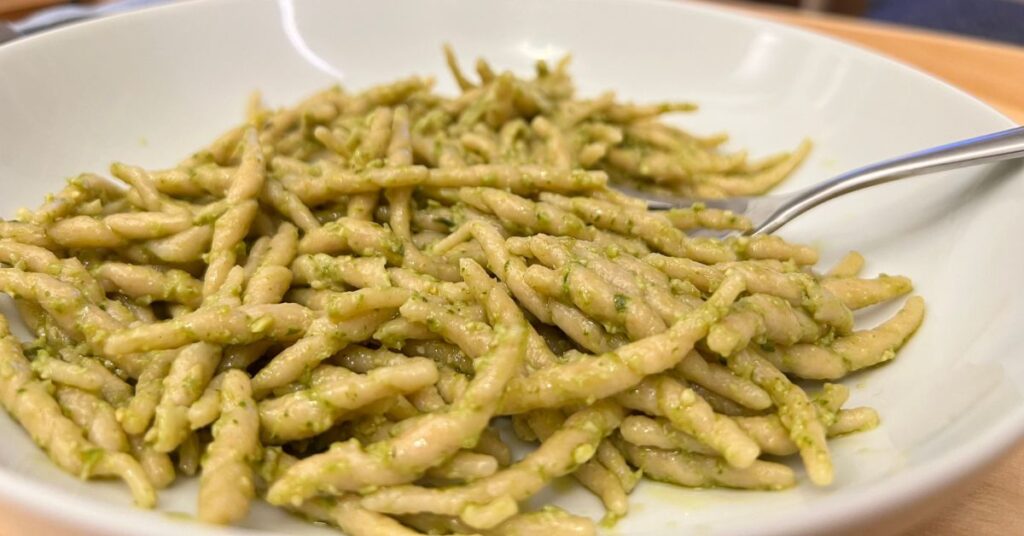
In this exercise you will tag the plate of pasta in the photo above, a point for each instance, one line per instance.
(401, 289)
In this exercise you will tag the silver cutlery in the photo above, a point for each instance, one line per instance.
(768, 213)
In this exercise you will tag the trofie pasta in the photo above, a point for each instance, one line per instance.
(347, 307)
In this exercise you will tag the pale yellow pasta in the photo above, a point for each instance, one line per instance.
(849, 421)
(375, 282)
(148, 225)
(397, 332)
(701, 217)
(427, 399)
(37, 259)
(635, 280)
(267, 285)
(597, 299)
(322, 339)
(156, 465)
(756, 183)
(85, 232)
(795, 411)
(420, 446)
(592, 474)
(762, 317)
(612, 459)
(620, 369)
(28, 401)
(486, 503)
(530, 216)
(451, 384)
(347, 234)
(718, 379)
(227, 484)
(424, 284)
(345, 511)
(852, 352)
(849, 266)
(94, 416)
(773, 437)
(653, 228)
(206, 408)
(342, 305)
(718, 403)
(690, 413)
(279, 250)
(473, 337)
(184, 247)
(228, 231)
(288, 204)
(69, 309)
(311, 411)
(188, 375)
(491, 444)
(219, 325)
(465, 466)
(142, 192)
(62, 372)
(113, 388)
(583, 330)
(510, 269)
(325, 271)
(41, 324)
(550, 520)
(137, 414)
(859, 293)
(697, 470)
(647, 432)
(148, 284)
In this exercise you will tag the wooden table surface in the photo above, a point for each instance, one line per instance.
(995, 74)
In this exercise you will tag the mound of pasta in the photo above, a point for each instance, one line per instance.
(347, 308)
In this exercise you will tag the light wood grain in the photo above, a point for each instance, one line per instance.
(15, 9)
(7, 6)
(994, 506)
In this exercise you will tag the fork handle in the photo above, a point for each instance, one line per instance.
(1004, 145)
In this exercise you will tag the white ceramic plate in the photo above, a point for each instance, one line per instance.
(150, 87)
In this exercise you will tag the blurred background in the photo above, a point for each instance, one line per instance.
(996, 20)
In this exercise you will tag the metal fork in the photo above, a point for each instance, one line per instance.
(768, 213)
